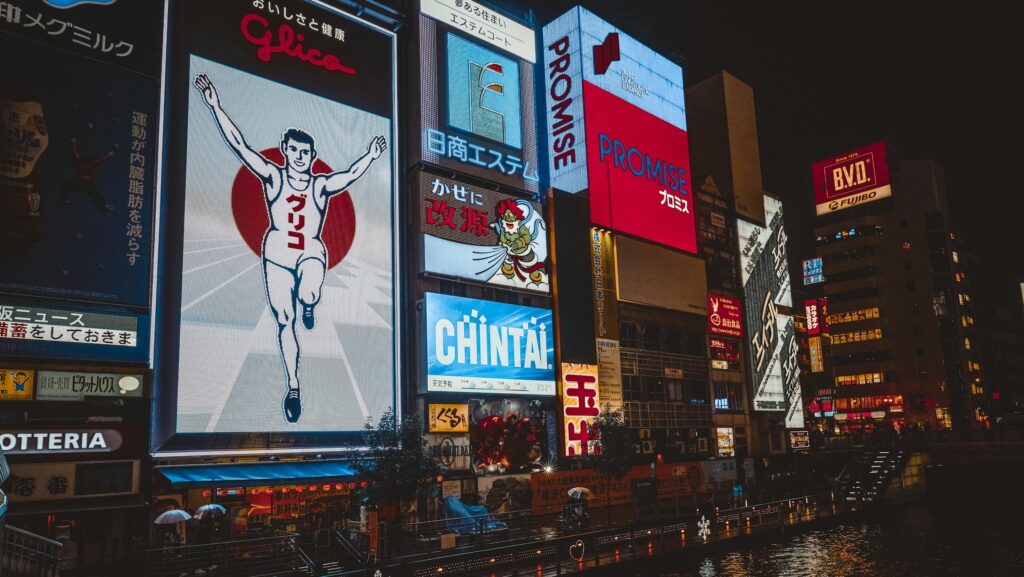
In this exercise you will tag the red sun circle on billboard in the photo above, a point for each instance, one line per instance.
(249, 207)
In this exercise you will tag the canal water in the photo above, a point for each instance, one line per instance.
(971, 525)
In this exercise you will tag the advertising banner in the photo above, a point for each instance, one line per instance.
(851, 179)
(609, 373)
(76, 386)
(766, 286)
(78, 149)
(476, 86)
(581, 403)
(478, 234)
(814, 317)
(34, 441)
(799, 440)
(452, 451)
(476, 346)
(725, 441)
(616, 126)
(606, 303)
(72, 334)
(447, 418)
(16, 384)
(816, 354)
(285, 204)
(58, 481)
(813, 271)
(725, 316)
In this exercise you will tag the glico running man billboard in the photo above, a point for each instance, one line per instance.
(477, 112)
(766, 286)
(475, 233)
(78, 143)
(851, 179)
(281, 223)
(617, 128)
(476, 346)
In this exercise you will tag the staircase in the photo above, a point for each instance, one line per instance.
(23, 553)
(866, 479)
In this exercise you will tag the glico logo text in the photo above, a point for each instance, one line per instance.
(631, 158)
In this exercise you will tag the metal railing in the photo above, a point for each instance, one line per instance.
(27, 554)
(267, 556)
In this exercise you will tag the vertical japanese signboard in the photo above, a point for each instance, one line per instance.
(617, 128)
(766, 286)
(581, 403)
(281, 225)
(476, 92)
(475, 233)
(606, 316)
(78, 110)
(851, 179)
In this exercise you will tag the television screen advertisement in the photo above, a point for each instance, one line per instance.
(73, 333)
(476, 346)
(617, 128)
(851, 179)
(280, 226)
(78, 110)
(477, 112)
(479, 234)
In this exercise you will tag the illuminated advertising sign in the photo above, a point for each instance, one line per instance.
(813, 271)
(16, 384)
(78, 142)
(447, 418)
(724, 316)
(76, 386)
(799, 440)
(581, 403)
(476, 86)
(725, 441)
(617, 127)
(766, 286)
(283, 215)
(476, 346)
(35, 441)
(814, 317)
(816, 354)
(723, 350)
(73, 334)
(851, 179)
(475, 233)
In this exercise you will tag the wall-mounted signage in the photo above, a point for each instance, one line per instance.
(813, 271)
(616, 127)
(581, 403)
(724, 316)
(481, 346)
(485, 24)
(16, 384)
(799, 440)
(59, 481)
(816, 354)
(851, 179)
(443, 418)
(476, 233)
(76, 386)
(73, 334)
(725, 441)
(28, 442)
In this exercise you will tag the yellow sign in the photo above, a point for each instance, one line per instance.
(17, 384)
(448, 418)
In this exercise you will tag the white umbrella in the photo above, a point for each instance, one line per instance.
(212, 509)
(171, 517)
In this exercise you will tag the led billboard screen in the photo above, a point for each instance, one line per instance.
(851, 179)
(480, 346)
(617, 127)
(281, 224)
(78, 142)
(478, 234)
(477, 111)
(725, 317)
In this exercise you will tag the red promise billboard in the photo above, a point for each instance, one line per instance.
(724, 316)
(851, 179)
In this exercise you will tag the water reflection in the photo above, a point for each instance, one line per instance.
(924, 540)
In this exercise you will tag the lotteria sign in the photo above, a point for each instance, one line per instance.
(617, 128)
(42, 441)
(488, 347)
(851, 179)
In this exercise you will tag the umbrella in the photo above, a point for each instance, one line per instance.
(211, 510)
(171, 517)
(579, 492)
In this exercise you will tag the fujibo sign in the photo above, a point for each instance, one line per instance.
(851, 179)
(488, 347)
(87, 441)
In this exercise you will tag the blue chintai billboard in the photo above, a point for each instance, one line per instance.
(476, 346)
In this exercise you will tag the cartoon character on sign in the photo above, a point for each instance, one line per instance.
(294, 255)
(521, 260)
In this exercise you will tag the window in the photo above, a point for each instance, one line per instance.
(651, 339)
(507, 297)
(856, 336)
(853, 316)
(727, 397)
(906, 245)
(922, 376)
(914, 307)
(628, 334)
(674, 391)
(956, 257)
(861, 379)
(943, 418)
(967, 343)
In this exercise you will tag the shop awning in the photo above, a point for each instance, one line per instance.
(254, 474)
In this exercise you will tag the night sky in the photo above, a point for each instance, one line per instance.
(934, 80)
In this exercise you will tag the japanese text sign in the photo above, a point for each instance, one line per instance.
(581, 402)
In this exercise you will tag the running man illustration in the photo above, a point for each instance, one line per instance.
(294, 256)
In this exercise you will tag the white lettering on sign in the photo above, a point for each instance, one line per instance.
(476, 343)
(562, 121)
(43, 442)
